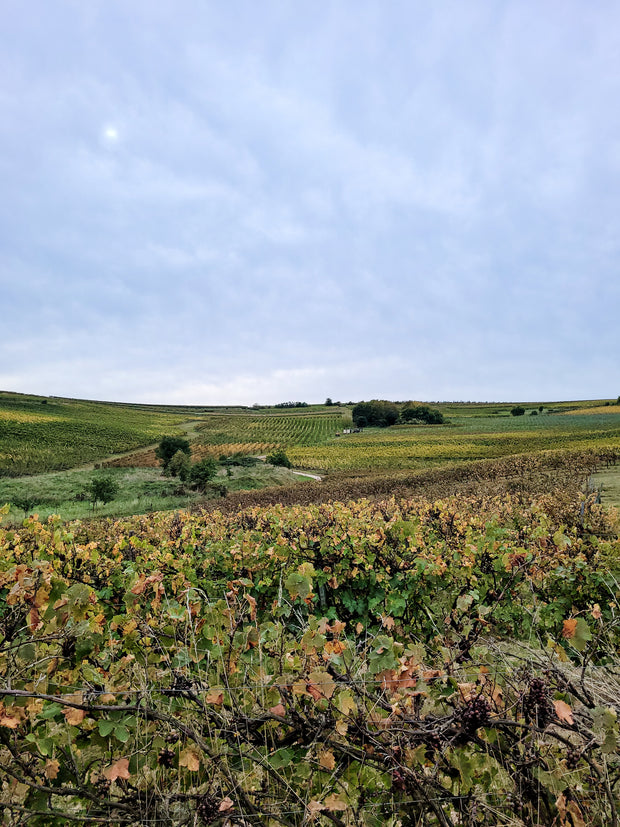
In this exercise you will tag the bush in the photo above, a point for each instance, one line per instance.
(202, 472)
(102, 489)
(168, 447)
(179, 466)
(518, 410)
(378, 413)
(422, 413)
(279, 457)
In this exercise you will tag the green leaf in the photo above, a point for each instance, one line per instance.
(106, 727)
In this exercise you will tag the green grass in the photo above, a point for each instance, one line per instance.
(140, 490)
(608, 482)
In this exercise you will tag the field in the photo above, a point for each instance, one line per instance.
(38, 434)
(444, 656)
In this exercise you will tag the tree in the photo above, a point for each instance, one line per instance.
(25, 502)
(518, 410)
(328, 401)
(378, 413)
(179, 466)
(278, 457)
(102, 489)
(202, 472)
(422, 413)
(168, 447)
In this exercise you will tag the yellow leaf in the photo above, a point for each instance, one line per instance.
(119, 769)
(51, 768)
(564, 712)
(190, 758)
(327, 759)
(342, 728)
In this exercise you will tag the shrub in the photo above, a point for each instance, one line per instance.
(179, 466)
(278, 457)
(102, 489)
(378, 412)
(202, 472)
(168, 447)
(518, 410)
(422, 413)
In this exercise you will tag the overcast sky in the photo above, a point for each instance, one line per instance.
(236, 202)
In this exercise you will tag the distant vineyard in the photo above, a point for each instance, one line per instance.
(285, 429)
(48, 435)
(417, 447)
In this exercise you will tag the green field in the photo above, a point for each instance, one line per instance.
(40, 434)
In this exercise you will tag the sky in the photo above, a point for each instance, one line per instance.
(208, 202)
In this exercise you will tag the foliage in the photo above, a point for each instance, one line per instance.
(422, 413)
(202, 473)
(168, 447)
(328, 401)
(179, 466)
(291, 405)
(376, 413)
(102, 489)
(279, 458)
(25, 502)
(518, 410)
(335, 664)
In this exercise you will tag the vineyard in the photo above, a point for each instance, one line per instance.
(465, 439)
(40, 434)
(445, 658)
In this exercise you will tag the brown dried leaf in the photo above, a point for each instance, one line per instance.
(190, 758)
(119, 769)
(278, 709)
(226, 805)
(569, 627)
(215, 696)
(564, 712)
(327, 759)
(51, 768)
(334, 802)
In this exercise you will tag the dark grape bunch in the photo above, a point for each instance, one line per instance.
(486, 563)
(166, 758)
(208, 809)
(536, 704)
(475, 714)
(573, 757)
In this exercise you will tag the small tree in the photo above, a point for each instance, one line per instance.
(168, 447)
(328, 401)
(179, 466)
(518, 410)
(102, 489)
(25, 502)
(278, 457)
(202, 472)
